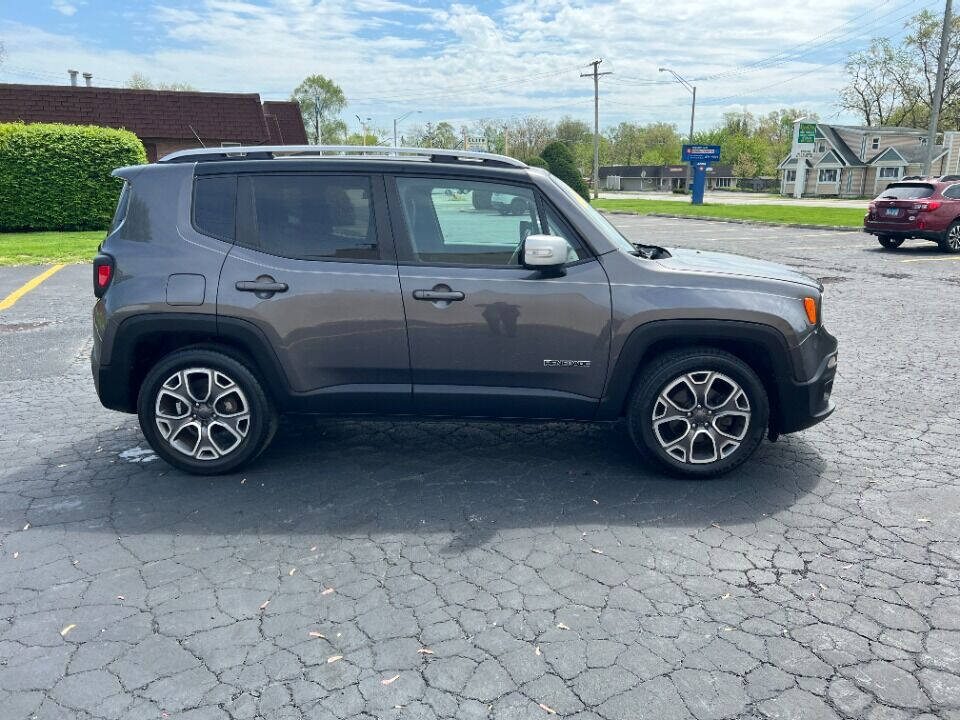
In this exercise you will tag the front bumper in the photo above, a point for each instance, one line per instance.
(804, 404)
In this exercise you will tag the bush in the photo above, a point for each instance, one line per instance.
(537, 161)
(57, 177)
(561, 163)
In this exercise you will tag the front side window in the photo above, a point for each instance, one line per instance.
(465, 222)
(827, 175)
(889, 172)
(311, 217)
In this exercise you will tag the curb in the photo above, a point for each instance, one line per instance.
(736, 221)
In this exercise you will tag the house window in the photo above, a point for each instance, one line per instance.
(875, 143)
(827, 175)
(722, 182)
(820, 146)
(791, 176)
(889, 172)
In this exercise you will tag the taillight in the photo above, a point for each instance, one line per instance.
(927, 206)
(103, 268)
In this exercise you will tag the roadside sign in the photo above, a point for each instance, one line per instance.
(806, 133)
(701, 153)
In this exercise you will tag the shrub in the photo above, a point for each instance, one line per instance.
(57, 177)
(561, 163)
(537, 161)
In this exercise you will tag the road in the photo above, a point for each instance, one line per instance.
(737, 198)
(469, 570)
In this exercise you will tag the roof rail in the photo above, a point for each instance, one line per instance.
(270, 152)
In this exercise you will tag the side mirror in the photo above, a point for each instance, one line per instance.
(545, 252)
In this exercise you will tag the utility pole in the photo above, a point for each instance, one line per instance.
(596, 122)
(938, 92)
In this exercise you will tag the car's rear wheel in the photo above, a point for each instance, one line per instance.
(699, 412)
(890, 242)
(205, 412)
(950, 242)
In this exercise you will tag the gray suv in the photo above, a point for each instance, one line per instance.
(238, 284)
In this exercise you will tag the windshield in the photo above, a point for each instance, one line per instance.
(595, 217)
(906, 192)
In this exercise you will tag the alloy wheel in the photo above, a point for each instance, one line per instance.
(953, 238)
(701, 417)
(202, 413)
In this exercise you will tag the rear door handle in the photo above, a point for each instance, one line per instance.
(438, 295)
(257, 286)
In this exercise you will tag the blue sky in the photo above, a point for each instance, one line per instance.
(464, 61)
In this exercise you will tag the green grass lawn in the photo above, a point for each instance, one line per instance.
(851, 217)
(41, 248)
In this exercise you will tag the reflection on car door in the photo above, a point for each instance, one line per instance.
(314, 269)
(487, 336)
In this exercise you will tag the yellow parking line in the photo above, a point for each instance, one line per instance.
(932, 259)
(10, 299)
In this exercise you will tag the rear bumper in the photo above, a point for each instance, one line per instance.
(898, 230)
(804, 404)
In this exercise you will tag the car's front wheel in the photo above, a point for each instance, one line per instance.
(205, 412)
(699, 412)
(950, 242)
(890, 242)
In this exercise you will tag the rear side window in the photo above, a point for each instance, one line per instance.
(215, 206)
(907, 192)
(122, 204)
(312, 217)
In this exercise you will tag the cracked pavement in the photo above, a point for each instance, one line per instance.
(471, 570)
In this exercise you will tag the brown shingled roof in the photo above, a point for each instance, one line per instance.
(284, 123)
(156, 113)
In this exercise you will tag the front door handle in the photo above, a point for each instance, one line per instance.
(438, 295)
(264, 286)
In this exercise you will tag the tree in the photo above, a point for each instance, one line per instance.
(572, 132)
(875, 88)
(894, 84)
(561, 163)
(321, 101)
(139, 81)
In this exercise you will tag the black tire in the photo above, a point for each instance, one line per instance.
(890, 242)
(245, 390)
(672, 367)
(482, 200)
(950, 242)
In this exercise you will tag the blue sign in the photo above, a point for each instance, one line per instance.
(701, 153)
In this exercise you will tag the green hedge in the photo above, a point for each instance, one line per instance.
(57, 177)
(562, 164)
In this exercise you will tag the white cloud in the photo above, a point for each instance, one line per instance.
(66, 8)
(470, 60)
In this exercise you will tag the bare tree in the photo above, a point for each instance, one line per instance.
(874, 90)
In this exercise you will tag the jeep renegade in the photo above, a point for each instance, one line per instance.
(240, 283)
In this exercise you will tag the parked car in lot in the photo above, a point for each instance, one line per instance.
(237, 284)
(927, 208)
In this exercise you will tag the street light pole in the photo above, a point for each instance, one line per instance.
(363, 130)
(399, 120)
(692, 89)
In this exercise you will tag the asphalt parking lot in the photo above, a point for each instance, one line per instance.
(457, 570)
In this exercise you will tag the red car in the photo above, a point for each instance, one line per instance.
(927, 208)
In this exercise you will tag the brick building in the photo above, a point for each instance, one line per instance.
(164, 120)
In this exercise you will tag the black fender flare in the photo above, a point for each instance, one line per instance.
(118, 382)
(649, 339)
